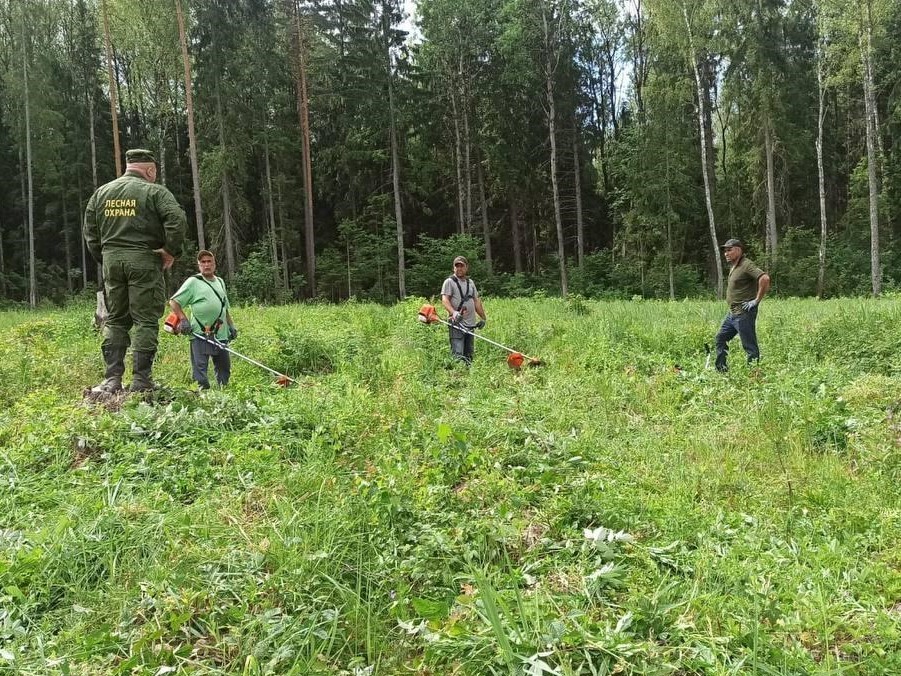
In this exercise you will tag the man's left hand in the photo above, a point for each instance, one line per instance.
(168, 258)
(232, 332)
(749, 305)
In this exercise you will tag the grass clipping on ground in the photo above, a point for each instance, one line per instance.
(621, 510)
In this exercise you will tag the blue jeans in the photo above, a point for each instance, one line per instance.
(201, 352)
(462, 345)
(743, 325)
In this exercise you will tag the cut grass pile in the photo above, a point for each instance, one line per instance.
(617, 510)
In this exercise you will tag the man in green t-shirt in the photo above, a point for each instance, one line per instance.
(205, 295)
(747, 286)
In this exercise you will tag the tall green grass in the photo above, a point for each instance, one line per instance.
(619, 509)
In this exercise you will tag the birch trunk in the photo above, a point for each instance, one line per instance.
(286, 276)
(872, 155)
(113, 90)
(771, 233)
(32, 275)
(273, 238)
(226, 193)
(467, 161)
(458, 154)
(577, 186)
(67, 236)
(705, 169)
(395, 174)
(552, 134)
(192, 135)
(483, 207)
(516, 235)
(821, 173)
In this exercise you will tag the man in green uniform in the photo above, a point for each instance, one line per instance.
(747, 286)
(135, 228)
(205, 295)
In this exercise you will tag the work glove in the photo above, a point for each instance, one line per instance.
(480, 325)
(456, 317)
(749, 305)
(232, 332)
(184, 327)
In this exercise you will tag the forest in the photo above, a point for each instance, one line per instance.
(350, 148)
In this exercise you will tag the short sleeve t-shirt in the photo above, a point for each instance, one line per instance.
(742, 284)
(200, 295)
(462, 291)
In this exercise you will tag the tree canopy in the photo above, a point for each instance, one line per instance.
(346, 149)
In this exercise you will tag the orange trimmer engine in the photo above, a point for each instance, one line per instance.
(170, 325)
(427, 314)
(515, 360)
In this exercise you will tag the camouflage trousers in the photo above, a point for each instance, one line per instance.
(135, 297)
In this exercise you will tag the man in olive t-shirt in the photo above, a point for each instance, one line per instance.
(747, 286)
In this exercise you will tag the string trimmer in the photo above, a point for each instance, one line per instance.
(282, 380)
(515, 360)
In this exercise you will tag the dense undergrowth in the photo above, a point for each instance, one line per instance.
(619, 509)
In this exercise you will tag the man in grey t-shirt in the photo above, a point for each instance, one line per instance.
(461, 300)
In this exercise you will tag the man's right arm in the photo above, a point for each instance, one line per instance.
(90, 230)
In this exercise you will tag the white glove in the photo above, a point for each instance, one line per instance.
(749, 305)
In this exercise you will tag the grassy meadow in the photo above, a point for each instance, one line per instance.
(617, 510)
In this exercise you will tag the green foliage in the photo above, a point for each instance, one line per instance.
(255, 282)
(431, 262)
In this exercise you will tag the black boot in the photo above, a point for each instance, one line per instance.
(141, 369)
(114, 358)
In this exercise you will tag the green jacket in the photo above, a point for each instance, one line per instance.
(133, 216)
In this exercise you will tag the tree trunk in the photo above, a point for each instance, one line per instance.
(93, 140)
(483, 207)
(552, 135)
(226, 193)
(2, 265)
(669, 233)
(395, 167)
(286, 275)
(82, 247)
(821, 173)
(273, 238)
(458, 154)
(303, 112)
(67, 236)
(872, 159)
(577, 186)
(32, 274)
(771, 233)
(95, 185)
(705, 169)
(113, 90)
(516, 235)
(639, 61)
(467, 161)
(192, 135)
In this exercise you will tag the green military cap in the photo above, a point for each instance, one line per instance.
(139, 156)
